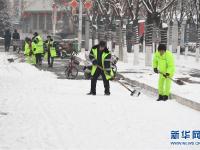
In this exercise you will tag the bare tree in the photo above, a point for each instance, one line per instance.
(134, 11)
(4, 16)
(181, 13)
(168, 17)
(197, 15)
(154, 10)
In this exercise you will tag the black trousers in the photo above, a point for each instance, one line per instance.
(50, 60)
(14, 48)
(94, 81)
(7, 47)
(38, 59)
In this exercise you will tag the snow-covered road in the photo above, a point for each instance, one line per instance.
(45, 113)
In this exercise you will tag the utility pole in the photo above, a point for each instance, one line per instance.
(80, 25)
(54, 17)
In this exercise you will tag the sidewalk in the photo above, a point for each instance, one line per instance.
(187, 69)
(144, 77)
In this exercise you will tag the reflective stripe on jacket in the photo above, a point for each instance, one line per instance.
(106, 61)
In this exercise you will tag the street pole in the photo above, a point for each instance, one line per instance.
(54, 18)
(80, 25)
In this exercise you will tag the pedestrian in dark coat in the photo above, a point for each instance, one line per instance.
(16, 38)
(7, 40)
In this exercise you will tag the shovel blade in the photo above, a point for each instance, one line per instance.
(10, 60)
(179, 82)
(133, 92)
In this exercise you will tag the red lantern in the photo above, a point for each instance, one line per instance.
(88, 5)
(74, 4)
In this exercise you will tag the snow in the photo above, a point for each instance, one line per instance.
(184, 66)
(47, 113)
(164, 25)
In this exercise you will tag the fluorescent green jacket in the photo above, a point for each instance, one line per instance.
(52, 48)
(104, 60)
(39, 45)
(164, 63)
(27, 49)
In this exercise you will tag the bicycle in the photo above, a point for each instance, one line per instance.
(71, 71)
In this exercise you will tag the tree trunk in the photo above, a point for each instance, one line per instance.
(136, 46)
(118, 40)
(90, 38)
(101, 32)
(124, 49)
(87, 34)
(170, 36)
(129, 35)
(148, 44)
(109, 40)
(152, 35)
(120, 44)
(179, 41)
(198, 43)
(95, 36)
(187, 40)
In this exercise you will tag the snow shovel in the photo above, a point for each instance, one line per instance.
(3, 113)
(12, 59)
(132, 91)
(179, 82)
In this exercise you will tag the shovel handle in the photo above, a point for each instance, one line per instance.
(179, 82)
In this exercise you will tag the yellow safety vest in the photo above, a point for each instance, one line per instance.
(94, 67)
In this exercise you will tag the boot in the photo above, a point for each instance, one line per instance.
(91, 93)
(165, 98)
(160, 98)
(107, 93)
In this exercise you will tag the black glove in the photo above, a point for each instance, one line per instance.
(94, 62)
(166, 75)
(155, 70)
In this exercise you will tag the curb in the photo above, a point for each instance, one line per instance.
(181, 100)
(184, 101)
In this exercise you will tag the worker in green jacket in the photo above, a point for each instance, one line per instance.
(38, 50)
(163, 63)
(28, 51)
(100, 57)
(50, 50)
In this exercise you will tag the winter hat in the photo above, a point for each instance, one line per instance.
(162, 47)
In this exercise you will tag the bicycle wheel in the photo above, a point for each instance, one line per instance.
(71, 72)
